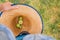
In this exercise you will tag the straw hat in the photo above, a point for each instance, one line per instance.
(31, 20)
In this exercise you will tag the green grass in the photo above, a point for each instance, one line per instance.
(50, 11)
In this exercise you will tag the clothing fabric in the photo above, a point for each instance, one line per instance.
(37, 37)
(5, 33)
